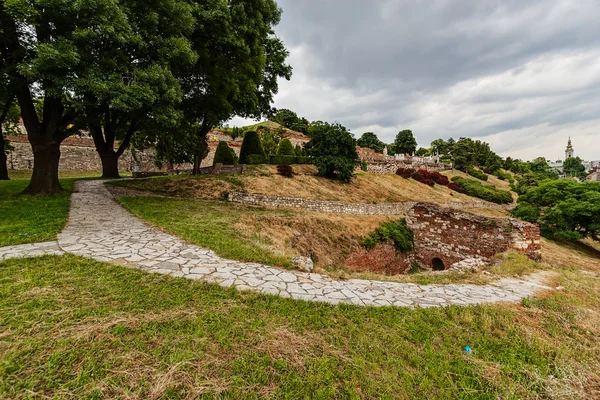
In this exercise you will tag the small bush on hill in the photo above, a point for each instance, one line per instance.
(475, 173)
(364, 166)
(224, 154)
(397, 231)
(251, 146)
(456, 187)
(285, 170)
(504, 176)
(439, 178)
(285, 148)
(423, 176)
(405, 172)
(484, 192)
(299, 152)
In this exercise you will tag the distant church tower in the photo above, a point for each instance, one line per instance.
(569, 153)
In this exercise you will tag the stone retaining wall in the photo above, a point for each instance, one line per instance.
(390, 167)
(341, 207)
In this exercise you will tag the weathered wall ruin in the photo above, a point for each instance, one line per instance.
(452, 236)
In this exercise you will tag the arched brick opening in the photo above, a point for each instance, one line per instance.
(437, 264)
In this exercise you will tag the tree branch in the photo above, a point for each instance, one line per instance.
(127, 140)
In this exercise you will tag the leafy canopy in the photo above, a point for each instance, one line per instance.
(369, 140)
(564, 208)
(405, 142)
(333, 150)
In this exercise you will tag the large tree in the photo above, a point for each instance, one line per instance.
(239, 62)
(369, 140)
(405, 142)
(41, 47)
(574, 167)
(290, 120)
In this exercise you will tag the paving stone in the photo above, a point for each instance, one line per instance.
(101, 229)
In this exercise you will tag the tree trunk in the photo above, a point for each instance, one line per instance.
(45, 169)
(197, 163)
(3, 166)
(110, 164)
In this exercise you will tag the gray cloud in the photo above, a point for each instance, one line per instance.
(520, 74)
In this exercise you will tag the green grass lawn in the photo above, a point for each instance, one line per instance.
(208, 224)
(75, 328)
(31, 219)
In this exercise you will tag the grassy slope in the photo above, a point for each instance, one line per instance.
(31, 219)
(74, 328)
(255, 234)
(273, 236)
(365, 188)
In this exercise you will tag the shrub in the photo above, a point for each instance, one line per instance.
(439, 178)
(333, 150)
(255, 159)
(396, 231)
(224, 154)
(285, 148)
(423, 176)
(405, 172)
(285, 170)
(364, 166)
(456, 187)
(251, 146)
(299, 151)
(475, 173)
(488, 171)
(303, 160)
(485, 192)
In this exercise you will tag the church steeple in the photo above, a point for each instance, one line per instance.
(569, 153)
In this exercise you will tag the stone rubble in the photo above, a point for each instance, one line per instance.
(99, 228)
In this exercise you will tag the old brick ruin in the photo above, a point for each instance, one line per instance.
(444, 237)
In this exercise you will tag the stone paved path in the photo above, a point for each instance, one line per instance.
(101, 229)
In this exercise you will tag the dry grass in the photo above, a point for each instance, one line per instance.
(364, 188)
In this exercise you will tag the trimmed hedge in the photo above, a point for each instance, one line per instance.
(475, 173)
(251, 146)
(485, 192)
(224, 154)
(299, 151)
(285, 148)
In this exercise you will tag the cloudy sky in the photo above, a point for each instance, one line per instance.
(521, 75)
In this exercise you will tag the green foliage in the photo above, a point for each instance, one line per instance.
(440, 146)
(405, 142)
(285, 148)
(290, 120)
(527, 212)
(566, 209)
(333, 150)
(256, 159)
(369, 140)
(504, 176)
(485, 192)
(574, 167)
(251, 146)
(396, 231)
(224, 154)
(423, 152)
(270, 139)
(299, 151)
(475, 173)
(364, 166)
